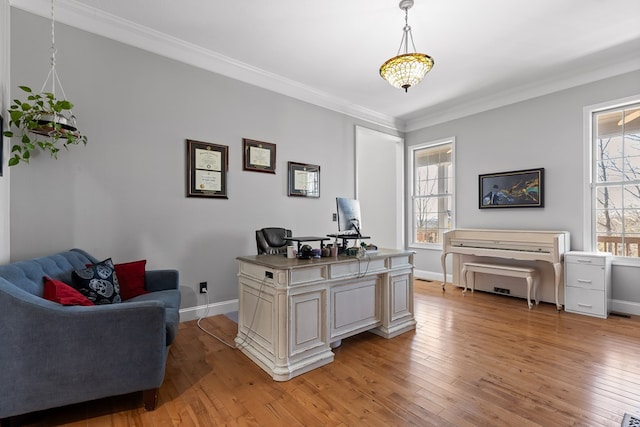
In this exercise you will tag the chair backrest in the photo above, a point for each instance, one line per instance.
(273, 240)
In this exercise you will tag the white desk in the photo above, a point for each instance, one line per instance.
(291, 311)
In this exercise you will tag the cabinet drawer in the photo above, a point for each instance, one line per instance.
(585, 301)
(586, 276)
(584, 259)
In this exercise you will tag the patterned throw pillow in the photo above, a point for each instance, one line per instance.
(98, 282)
(131, 278)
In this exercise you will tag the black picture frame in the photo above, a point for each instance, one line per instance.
(1, 144)
(207, 167)
(515, 189)
(258, 156)
(303, 180)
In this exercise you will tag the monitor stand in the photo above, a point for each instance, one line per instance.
(345, 238)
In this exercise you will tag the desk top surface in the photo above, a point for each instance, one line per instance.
(282, 262)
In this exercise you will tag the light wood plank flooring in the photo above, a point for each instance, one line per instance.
(475, 360)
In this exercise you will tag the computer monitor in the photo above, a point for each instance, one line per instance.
(349, 220)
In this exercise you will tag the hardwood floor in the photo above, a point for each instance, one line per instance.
(474, 360)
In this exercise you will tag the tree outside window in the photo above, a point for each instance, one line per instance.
(616, 178)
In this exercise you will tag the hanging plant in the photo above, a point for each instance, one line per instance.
(43, 122)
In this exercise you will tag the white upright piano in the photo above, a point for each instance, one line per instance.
(526, 245)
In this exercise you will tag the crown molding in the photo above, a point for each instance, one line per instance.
(626, 64)
(78, 15)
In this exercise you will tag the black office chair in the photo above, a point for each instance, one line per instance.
(273, 240)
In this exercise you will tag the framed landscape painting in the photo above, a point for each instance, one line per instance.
(516, 189)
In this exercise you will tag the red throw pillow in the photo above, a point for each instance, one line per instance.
(60, 292)
(131, 278)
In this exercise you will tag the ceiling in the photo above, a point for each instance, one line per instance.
(487, 53)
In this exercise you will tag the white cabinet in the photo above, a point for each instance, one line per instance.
(587, 283)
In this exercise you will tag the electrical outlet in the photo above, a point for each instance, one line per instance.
(335, 217)
(203, 287)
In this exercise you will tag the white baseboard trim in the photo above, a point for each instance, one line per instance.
(626, 307)
(214, 309)
(223, 307)
(434, 276)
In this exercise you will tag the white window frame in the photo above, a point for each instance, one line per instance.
(589, 228)
(411, 183)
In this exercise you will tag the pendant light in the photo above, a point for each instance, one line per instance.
(406, 69)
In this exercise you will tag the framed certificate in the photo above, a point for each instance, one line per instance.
(207, 166)
(303, 180)
(258, 156)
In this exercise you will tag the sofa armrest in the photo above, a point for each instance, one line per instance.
(161, 280)
(65, 355)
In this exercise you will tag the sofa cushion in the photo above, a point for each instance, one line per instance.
(60, 292)
(131, 279)
(171, 300)
(98, 282)
(167, 297)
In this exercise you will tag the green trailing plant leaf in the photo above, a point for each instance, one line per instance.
(15, 115)
(34, 133)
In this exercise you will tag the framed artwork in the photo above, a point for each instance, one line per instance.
(258, 156)
(303, 180)
(516, 189)
(207, 166)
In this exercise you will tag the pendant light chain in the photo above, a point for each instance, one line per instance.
(406, 34)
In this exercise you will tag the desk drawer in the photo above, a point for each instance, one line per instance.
(358, 267)
(586, 301)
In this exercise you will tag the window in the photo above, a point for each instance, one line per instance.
(431, 192)
(615, 145)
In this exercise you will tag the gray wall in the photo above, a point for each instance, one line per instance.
(4, 104)
(123, 195)
(542, 132)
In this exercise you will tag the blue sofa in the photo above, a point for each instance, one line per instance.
(53, 355)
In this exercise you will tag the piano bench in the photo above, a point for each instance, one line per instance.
(527, 273)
